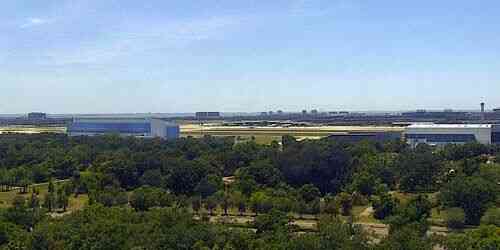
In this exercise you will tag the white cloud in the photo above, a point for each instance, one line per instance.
(35, 21)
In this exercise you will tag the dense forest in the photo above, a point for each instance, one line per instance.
(157, 194)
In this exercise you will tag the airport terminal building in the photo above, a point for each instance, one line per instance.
(442, 134)
(137, 127)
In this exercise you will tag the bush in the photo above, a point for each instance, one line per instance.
(491, 217)
(359, 200)
(455, 218)
(384, 206)
(345, 201)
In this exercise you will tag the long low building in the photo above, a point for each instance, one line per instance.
(137, 127)
(441, 134)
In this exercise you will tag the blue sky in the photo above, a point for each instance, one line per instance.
(103, 56)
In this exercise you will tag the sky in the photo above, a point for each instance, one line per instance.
(164, 56)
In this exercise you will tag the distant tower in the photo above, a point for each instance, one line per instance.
(482, 111)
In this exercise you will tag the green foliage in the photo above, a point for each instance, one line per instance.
(263, 172)
(309, 193)
(145, 198)
(406, 238)
(472, 194)
(164, 178)
(384, 206)
(330, 206)
(365, 183)
(419, 170)
(209, 186)
(260, 202)
(485, 237)
(491, 217)
(345, 201)
(334, 234)
(412, 215)
(455, 218)
(110, 196)
(273, 221)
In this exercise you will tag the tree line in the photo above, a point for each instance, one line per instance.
(137, 178)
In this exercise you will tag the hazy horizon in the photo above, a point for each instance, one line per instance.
(161, 56)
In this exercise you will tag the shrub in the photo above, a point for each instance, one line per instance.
(455, 218)
(491, 217)
(384, 206)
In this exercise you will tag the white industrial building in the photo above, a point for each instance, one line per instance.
(441, 134)
(138, 127)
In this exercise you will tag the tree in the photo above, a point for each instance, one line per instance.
(419, 170)
(245, 183)
(209, 186)
(226, 203)
(260, 202)
(384, 206)
(491, 217)
(144, 198)
(335, 234)
(418, 208)
(485, 237)
(455, 218)
(273, 221)
(110, 196)
(365, 183)
(345, 201)
(472, 194)
(185, 175)
(211, 204)
(238, 200)
(309, 193)
(152, 177)
(49, 201)
(263, 172)
(62, 199)
(196, 204)
(407, 238)
(18, 213)
(33, 201)
(330, 206)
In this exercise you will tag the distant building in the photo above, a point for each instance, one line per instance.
(442, 134)
(37, 116)
(353, 137)
(207, 115)
(263, 113)
(496, 110)
(446, 114)
(140, 127)
(279, 112)
(304, 112)
(314, 112)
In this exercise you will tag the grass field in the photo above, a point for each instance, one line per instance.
(31, 129)
(266, 135)
(6, 198)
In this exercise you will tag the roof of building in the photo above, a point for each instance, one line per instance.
(450, 126)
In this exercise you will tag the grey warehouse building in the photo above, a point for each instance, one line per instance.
(353, 137)
(137, 127)
(442, 134)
